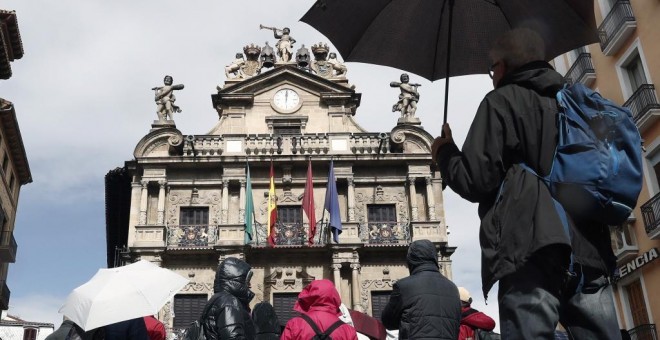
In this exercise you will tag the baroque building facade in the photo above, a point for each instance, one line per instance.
(181, 202)
(623, 67)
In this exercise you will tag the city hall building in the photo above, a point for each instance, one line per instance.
(183, 200)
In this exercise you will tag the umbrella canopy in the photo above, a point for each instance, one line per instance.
(122, 293)
(413, 35)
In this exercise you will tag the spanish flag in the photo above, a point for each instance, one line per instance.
(272, 207)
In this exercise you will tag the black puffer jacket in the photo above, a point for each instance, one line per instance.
(228, 317)
(517, 123)
(426, 304)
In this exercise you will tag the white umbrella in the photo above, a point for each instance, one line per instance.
(122, 293)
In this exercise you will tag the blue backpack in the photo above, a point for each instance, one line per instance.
(597, 170)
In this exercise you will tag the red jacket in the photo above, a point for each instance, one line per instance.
(320, 301)
(155, 328)
(471, 319)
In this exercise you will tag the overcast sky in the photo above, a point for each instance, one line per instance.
(83, 99)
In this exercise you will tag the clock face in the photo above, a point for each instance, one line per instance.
(286, 100)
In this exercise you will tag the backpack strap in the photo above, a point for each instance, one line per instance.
(323, 335)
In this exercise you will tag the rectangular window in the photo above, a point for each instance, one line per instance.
(283, 304)
(382, 213)
(194, 216)
(289, 214)
(379, 300)
(188, 308)
(30, 334)
(286, 130)
(635, 71)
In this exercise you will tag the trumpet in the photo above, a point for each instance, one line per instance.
(261, 27)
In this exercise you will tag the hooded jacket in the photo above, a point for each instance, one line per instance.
(228, 316)
(473, 319)
(426, 304)
(517, 123)
(266, 322)
(320, 301)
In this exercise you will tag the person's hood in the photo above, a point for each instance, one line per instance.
(319, 295)
(538, 76)
(232, 277)
(422, 256)
(477, 319)
(265, 319)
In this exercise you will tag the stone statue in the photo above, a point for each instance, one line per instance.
(302, 57)
(252, 65)
(165, 98)
(339, 68)
(267, 56)
(408, 98)
(320, 64)
(285, 43)
(235, 66)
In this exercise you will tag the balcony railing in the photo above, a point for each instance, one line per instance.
(302, 144)
(385, 232)
(8, 247)
(642, 101)
(582, 70)
(651, 216)
(616, 27)
(287, 234)
(643, 332)
(191, 236)
(4, 295)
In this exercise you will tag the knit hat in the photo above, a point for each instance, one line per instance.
(464, 295)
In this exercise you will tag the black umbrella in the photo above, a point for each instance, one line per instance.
(419, 35)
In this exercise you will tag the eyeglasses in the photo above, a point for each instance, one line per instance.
(491, 69)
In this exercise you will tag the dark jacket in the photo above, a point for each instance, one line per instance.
(228, 317)
(266, 322)
(426, 304)
(133, 329)
(67, 330)
(517, 123)
(320, 301)
(472, 319)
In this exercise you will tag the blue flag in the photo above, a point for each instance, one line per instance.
(332, 204)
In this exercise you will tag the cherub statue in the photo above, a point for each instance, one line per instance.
(408, 98)
(235, 66)
(339, 68)
(165, 99)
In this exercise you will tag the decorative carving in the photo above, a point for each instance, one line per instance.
(320, 64)
(197, 287)
(368, 285)
(399, 199)
(182, 198)
(252, 65)
(338, 67)
(292, 279)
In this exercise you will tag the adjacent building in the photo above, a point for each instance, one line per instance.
(625, 67)
(183, 200)
(13, 327)
(14, 167)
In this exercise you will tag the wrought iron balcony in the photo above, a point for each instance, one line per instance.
(644, 105)
(651, 215)
(286, 234)
(617, 26)
(192, 236)
(8, 247)
(385, 232)
(4, 295)
(644, 332)
(582, 70)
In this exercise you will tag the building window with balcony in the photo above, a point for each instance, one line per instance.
(188, 308)
(193, 228)
(194, 216)
(290, 228)
(381, 213)
(382, 225)
(635, 85)
(634, 71)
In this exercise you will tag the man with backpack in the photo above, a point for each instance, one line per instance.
(318, 305)
(552, 265)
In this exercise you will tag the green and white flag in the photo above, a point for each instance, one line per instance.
(249, 208)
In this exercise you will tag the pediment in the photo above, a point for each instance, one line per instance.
(162, 142)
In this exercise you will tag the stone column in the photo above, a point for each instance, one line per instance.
(351, 199)
(225, 200)
(355, 285)
(161, 202)
(430, 197)
(413, 198)
(337, 276)
(143, 203)
(241, 212)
